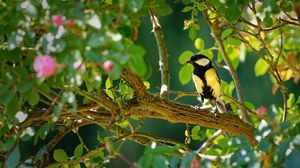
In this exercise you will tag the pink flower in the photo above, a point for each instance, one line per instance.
(261, 112)
(57, 20)
(195, 163)
(77, 64)
(44, 65)
(108, 65)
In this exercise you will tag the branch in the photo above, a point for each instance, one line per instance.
(209, 141)
(216, 31)
(163, 55)
(153, 107)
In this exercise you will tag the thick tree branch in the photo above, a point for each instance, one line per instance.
(163, 55)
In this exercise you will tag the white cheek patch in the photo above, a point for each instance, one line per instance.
(202, 62)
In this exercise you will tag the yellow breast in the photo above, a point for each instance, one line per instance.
(212, 80)
(198, 84)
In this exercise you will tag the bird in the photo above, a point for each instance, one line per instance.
(206, 79)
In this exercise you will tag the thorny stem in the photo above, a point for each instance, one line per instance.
(163, 55)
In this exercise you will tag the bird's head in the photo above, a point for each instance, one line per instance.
(200, 60)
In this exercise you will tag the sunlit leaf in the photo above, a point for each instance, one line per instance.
(199, 44)
(261, 67)
(185, 74)
(60, 155)
(185, 56)
(78, 151)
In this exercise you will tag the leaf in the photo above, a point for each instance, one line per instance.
(192, 33)
(78, 151)
(109, 87)
(208, 53)
(187, 8)
(164, 9)
(242, 53)
(185, 56)
(12, 107)
(138, 65)
(33, 97)
(292, 160)
(199, 44)
(60, 155)
(159, 161)
(186, 161)
(201, 6)
(24, 86)
(226, 33)
(13, 158)
(185, 74)
(261, 67)
(233, 12)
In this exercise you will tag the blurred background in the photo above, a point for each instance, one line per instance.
(256, 89)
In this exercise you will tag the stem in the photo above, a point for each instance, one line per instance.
(163, 55)
(209, 141)
(216, 32)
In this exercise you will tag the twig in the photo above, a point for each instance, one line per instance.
(240, 105)
(216, 32)
(81, 140)
(163, 55)
(209, 141)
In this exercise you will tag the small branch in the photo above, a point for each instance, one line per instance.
(209, 141)
(284, 106)
(240, 105)
(136, 83)
(216, 31)
(163, 55)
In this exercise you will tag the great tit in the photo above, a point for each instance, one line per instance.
(205, 78)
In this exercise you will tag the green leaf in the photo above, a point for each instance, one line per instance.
(226, 33)
(164, 9)
(208, 53)
(138, 65)
(264, 145)
(186, 161)
(292, 159)
(78, 151)
(268, 20)
(192, 33)
(33, 97)
(187, 8)
(13, 158)
(60, 155)
(201, 6)
(12, 107)
(261, 67)
(185, 74)
(24, 86)
(233, 12)
(185, 56)
(199, 44)
(160, 161)
(109, 87)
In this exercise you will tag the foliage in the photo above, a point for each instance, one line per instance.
(63, 64)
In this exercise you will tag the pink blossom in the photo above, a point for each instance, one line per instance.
(108, 65)
(77, 64)
(261, 111)
(44, 65)
(195, 163)
(57, 20)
